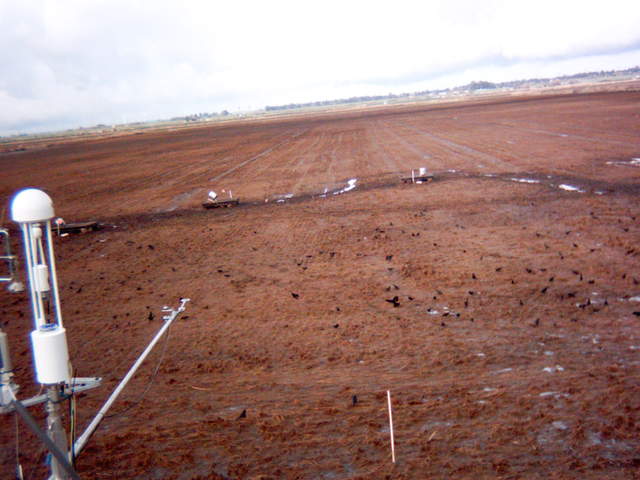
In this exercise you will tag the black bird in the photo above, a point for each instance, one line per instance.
(544, 290)
(394, 301)
(295, 295)
(354, 400)
(473, 275)
(537, 322)
(243, 414)
(151, 316)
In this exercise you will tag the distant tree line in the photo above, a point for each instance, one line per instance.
(338, 101)
(196, 117)
(470, 87)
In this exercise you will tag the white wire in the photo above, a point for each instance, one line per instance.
(18, 466)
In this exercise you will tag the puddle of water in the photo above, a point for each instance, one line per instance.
(504, 370)
(283, 198)
(557, 368)
(524, 180)
(556, 395)
(634, 162)
(570, 188)
(351, 184)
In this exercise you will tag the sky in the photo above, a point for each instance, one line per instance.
(71, 63)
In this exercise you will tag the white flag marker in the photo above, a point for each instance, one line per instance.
(393, 450)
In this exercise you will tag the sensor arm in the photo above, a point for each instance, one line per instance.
(169, 318)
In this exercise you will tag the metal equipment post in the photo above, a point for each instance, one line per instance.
(55, 431)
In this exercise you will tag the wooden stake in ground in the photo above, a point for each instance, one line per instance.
(393, 450)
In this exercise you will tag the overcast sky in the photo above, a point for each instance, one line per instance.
(70, 63)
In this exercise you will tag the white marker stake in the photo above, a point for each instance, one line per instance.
(393, 450)
(413, 178)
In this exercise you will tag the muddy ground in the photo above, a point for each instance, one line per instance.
(499, 303)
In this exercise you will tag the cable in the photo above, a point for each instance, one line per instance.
(149, 384)
(19, 473)
(72, 417)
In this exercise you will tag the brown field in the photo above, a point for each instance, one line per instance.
(511, 351)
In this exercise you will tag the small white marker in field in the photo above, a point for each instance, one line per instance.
(393, 450)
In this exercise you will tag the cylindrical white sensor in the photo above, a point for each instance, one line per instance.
(5, 360)
(50, 354)
(42, 278)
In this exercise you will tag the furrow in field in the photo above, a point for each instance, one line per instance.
(462, 149)
(305, 163)
(264, 153)
(380, 148)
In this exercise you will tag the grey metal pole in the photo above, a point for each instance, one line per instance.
(82, 440)
(55, 432)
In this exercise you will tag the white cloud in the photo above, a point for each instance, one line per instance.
(75, 62)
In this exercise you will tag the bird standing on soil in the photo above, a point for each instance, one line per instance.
(395, 301)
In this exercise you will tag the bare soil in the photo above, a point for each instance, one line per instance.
(498, 303)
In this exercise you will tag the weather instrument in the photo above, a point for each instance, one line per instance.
(32, 210)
